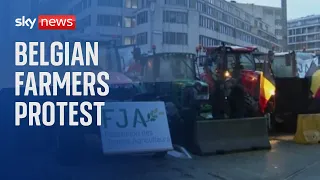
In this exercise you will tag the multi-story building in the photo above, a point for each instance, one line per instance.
(172, 25)
(304, 33)
(266, 19)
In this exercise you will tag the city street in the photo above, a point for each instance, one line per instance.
(286, 160)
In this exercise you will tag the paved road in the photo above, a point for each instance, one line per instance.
(286, 161)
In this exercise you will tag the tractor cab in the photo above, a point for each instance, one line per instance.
(169, 75)
(239, 64)
(234, 62)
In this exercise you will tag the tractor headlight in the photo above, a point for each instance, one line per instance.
(227, 74)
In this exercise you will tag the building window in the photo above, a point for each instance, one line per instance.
(142, 38)
(208, 41)
(229, 9)
(278, 22)
(109, 20)
(175, 38)
(142, 4)
(131, 4)
(129, 22)
(206, 22)
(83, 23)
(110, 3)
(192, 3)
(268, 11)
(142, 18)
(278, 32)
(183, 3)
(237, 11)
(255, 23)
(301, 38)
(128, 40)
(220, 15)
(291, 39)
(175, 17)
(298, 31)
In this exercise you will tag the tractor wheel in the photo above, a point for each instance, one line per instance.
(285, 123)
(251, 106)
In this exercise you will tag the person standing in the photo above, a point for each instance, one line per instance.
(218, 98)
(236, 100)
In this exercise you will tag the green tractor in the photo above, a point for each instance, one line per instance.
(172, 78)
(169, 75)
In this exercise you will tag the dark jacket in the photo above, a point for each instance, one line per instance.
(237, 101)
(218, 101)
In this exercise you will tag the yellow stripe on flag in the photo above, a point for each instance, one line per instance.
(315, 84)
(268, 89)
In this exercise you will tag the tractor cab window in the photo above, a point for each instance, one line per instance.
(180, 65)
(166, 73)
(108, 59)
(247, 62)
(280, 67)
(167, 68)
(231, 62)
(148, 70)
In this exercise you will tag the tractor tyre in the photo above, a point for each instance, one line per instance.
(251, 106)
(284, 123)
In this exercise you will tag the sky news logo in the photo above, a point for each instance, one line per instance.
(48, 22)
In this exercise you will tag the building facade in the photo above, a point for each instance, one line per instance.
(172, 25)
(304, 33)
(267, 20)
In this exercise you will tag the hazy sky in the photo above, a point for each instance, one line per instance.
(296, 8)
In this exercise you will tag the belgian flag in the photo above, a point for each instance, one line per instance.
(267, 85)
(314, 73)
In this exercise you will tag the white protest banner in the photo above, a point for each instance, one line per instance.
(303, 65)
(134, 127)
(126, 57)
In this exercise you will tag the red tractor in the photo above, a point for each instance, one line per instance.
(239, 64)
